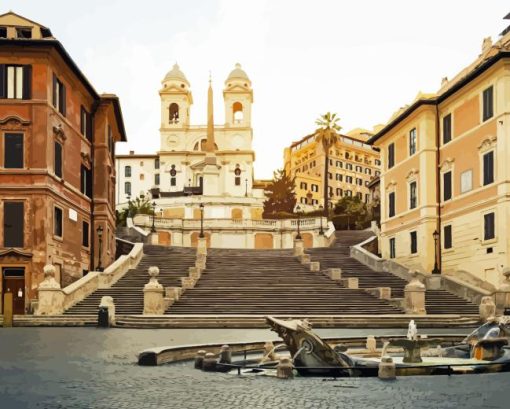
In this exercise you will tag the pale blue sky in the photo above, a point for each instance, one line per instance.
(362, 59)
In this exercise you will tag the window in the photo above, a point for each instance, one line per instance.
(339, 191)
(173, 181)
(447, 186)
(392, 248)
(391, 155)
(378, 162)
(58, 222)
(348, 179)
(368, 171)
(348, 193)
(85, 234)
(111, 146)
(303, 200)
(488, 226)
(13, 151)
(3, 32)
(173, 112)
(303, 185)
(412, 195)
(348, 166)
(156, 163)
(331, 162)
(57, 164)
(447, 237)
(391, 204)
(315, 202)
(23, 32)
(367, 197)
(59, 95)
(86, 124)
(360, 195)
(127, 171)
(330, 175)
(447, 128)
(86, 181)
(173, 173)
(156, 179)
(315, 188)
(339, 164)
(237, 111)
(359, 182)
(237, 173)
(412, 142)
(488, 103)
(414, 243)
(14, 224)
(338, 177)
(359, 169)
(488, 168)
(347, 155)
(377, 173)
(142, 176)
(127, 188)
(466, 181)
(15, 81)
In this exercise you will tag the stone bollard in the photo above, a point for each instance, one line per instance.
(209, 363)
(299, 247)
(350, 282)
(202, 246)
(335, 273)
(387, 370)
(487, 308)
(414, 296)
(107, 302)
(153, 292)
(154, 239)
(305, 259)
(51, 297)
(199, 359)
(502, 294)
(385, 293)
(315, 266)
(284, 369)
(371, 344)
(225, 355)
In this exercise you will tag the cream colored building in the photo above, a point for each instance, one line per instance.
(352, 164)
(137, 174)
(445, 169)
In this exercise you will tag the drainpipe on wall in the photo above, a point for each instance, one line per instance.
(438, 191)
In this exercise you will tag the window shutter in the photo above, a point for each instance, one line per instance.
(27, 82)
(3, 91)
(54, 96)
(63, 100)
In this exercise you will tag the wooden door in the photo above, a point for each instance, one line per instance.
(14, 282)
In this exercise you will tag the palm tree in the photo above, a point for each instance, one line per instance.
(327, 134)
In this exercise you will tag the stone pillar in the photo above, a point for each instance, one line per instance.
(502, 294)
(202, 246)
(350, 282)
(315, 266)
(154, 238)
(209, 363)
(305, 259)
(201, 260)
(107, 302)
(487, 308)
(51, 297)
(199, 359)
(335, 273)
(153, 294)
(385, 293)
(414, 295)
(299, 247)
(371, 343)
(284, 369)
(225, 355)
(387, 370)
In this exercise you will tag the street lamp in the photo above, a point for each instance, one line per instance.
(99, 231)
(435, 235)
(298, 210)
(201, 235)
(321, 231)
(246, 184)
(153, 228)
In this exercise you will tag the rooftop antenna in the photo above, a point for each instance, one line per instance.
(506, 30)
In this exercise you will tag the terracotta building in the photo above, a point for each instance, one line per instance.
(445, 171)
(352, 164)
(57, 175)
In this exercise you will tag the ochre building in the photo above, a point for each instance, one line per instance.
(445, 161)
(352, 164)
(57, 175)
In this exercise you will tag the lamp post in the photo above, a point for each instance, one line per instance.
(435, 235)
(246, 184)
(153, 228)
(298, 210)
(201, 235)
(321, 231)
(99, 232)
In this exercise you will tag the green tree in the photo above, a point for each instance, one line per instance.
(353, 208)
(136, 206)
(327, 135)
(280, 194)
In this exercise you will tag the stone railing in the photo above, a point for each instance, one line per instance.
(54, 300)
(263, 224)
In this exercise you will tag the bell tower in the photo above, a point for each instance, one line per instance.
(238, 97)
(176, 100)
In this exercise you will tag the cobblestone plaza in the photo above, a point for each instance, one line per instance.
(92, 368)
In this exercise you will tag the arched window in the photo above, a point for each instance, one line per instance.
(127, 171)
(237, 173)
(173, 173)
(174, 113)
(237, 110)
(201, 146)
(127, 188)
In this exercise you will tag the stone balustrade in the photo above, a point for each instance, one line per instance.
(54, 300)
